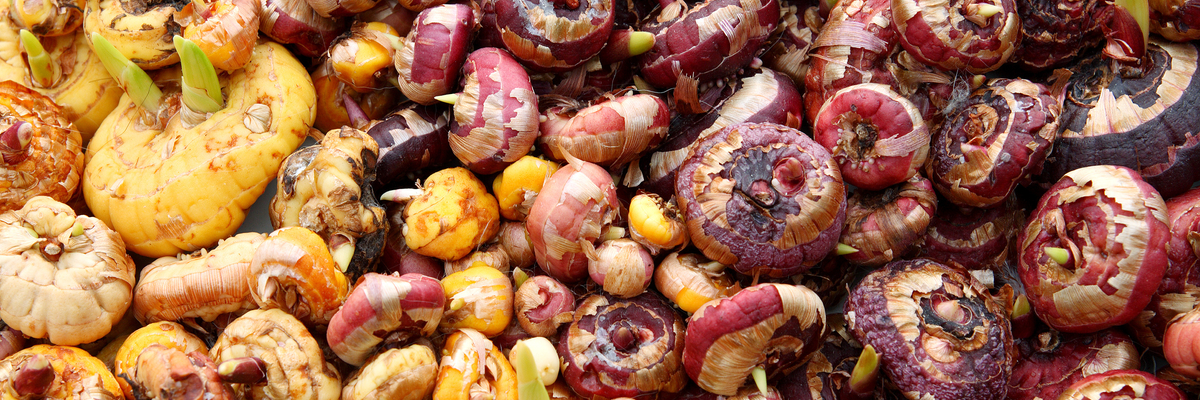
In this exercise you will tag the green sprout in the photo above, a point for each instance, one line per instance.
(529, 382)
(201, 88)
(39, 61)
(137, 83)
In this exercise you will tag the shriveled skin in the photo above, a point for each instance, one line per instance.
(1142, 121)
(937, 331)
(1056, 32)
(72, 374)
(163, 372)
(542, 304)
(975, 238)
(381, 305)
(707, 41)
(1121, 385)
(1051, 362)
(797, 30)
(434, 51)
(1179, 291)
(877, 137)
(855, 40)
(1177, 20)
(472, 367)
(41, 152)
(293, 270)
(623, 347)
(761, 96)
(774, 326)
(225, 31)
(762, 198)
(296, 23)
(1113, 226)
(611, 132)
(554, 35)
(141, 30)
(203, 284)
(495, 116)
(296, 368)
(400, 374)
(328, 189)
(958, 34)
(999, 139)
(49, 257)
(165, 334)
(174, 187)
(573, 209)
(411, 139)
(883, 226)
(82, 87)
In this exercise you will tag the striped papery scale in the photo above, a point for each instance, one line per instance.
(434, 50)
(495, 116)
(973, 35)
(1177, 20)
(1123, 384)
(762, 198)
(974, 238)
(707, 41)
(855, 40)
(938, 333)
(1052, 361)
(1179, 291)
(1056, 32)
(411, 305)
(295, 365)
(41, 152)
(883, 225)
(1094, 249)
(877, 136)
(554, 35)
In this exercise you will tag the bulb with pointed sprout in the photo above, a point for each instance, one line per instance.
(45, 72)
(137, 84)
(529, 382)
(866, 371)
(201, 87)
(1059, 255)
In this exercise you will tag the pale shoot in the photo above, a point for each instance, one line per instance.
(137, 84)
(201, 87)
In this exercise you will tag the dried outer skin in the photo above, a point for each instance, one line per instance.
(884, 225)
(855, 40)
(774, 326)
(141, 30)
(974, 238)
(610, 133)
(797, 31)
(998, 139)
(747, 392)
(341, 8)
(296, 23)
(52, 162)
(622, 267)
(542, 304)
(574, 207)
(380, 305)
(332, 94)
(163, 372)
(1056, 32)
(390, 12)
(1102, 120)
(1123, 384)
(1179, 291)
(172, 188)
(411, 139)
(203, 284)
(877, 136)
(486, 295)
(1114, 225)
(955, 36)
(684, 281)
(296, 369)
(496, 116)
(454, 215)
(490, 254)
(554, 36)
(86, 92)
(227, 36)
(420, 5)
(827, 374)
(77, 375)
(1177, 20)
(1051, 362)
(44, 266)
(623, 347)
(762, 198)
(1182, 382)
(762, 95)
(936, 330)
(11, 341)
(434, 51)
(293, 270)
(473, 368)
(830, 279)
(401, 374)
(51, 18)
(163, 333)
(327, 189)
(1180, 345)
(708, 41)
(514, 239)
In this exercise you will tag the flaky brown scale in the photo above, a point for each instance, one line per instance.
(553, 35)
(47, 18)
(296, 368)
(542, 304)
(203, 284)
(690, 280)
(1113, 226)
(398, 374)
(1051, 361)
(225, 31)
(1179, 291)
(883, 225)
(797, 31)
(162, 372)
(937, 331)
(1123, 384)
(164, 333)
(1000, 138)
(856, 38)
(51, 164)
(878, 137)
(1177, 20)
(762, 198)
(293, 270)
(610, 132)
(76, 374)
(141, 30)
(1056, 32)
(974, 238)
(623, 347)
(957, 34)
(706, 41)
